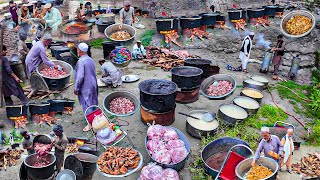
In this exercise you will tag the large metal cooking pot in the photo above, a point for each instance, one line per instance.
(66, 174)
(17, 110)
(231, 114)
(203, 64)
(256, 13)
(271, 10)
(106, 18)
(56, 51)
(244, 166)
(42, 139)
(218, 77)
(250, 83)
(290, 15)
(43, 172)
(72, 22)
(196, 132)
(221, 145)
(102, 26)
(186, 77)
(39, 108)
(158, 95)
(125, 94)
(235, 14)
(167, 24)
(190, 22)
(162, 118)
(208, 19)
(252, 93)
(82, 164)
(57, 83)
(56, 105)
(115, 27)
(248, 104)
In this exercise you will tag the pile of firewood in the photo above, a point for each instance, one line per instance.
(308, 166)
(196, 32)
(19, 122)
(164, 58)
(9, 158)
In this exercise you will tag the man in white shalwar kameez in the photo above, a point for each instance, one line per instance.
(52, 18)
(245, 51)
(288, 148)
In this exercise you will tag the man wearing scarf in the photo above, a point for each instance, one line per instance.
(270, 144)
(246, 51)
(288, 148)
(126, 15)
(60, 142)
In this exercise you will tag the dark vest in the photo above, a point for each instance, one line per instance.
(279, 45)
(249, 46)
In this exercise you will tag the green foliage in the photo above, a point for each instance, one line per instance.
(17, 137)
(146, 37)
(97, 43)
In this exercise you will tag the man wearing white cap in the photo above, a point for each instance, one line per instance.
(85, 87)
(53, 18)
(37, 55)
(245, 51)
(138, 51)
(126, 15)
(270, 144)
(288, 148)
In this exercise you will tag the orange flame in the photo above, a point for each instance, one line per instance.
(79, 142)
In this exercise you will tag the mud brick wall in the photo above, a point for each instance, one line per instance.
(10, 39)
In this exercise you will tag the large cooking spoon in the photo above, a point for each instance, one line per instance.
(208, 117)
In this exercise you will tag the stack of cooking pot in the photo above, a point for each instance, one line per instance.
(157, 99)
(188, 79)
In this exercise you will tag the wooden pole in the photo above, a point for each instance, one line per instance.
(1, 45)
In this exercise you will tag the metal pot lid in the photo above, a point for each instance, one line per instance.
(158, 87)
(74, 164)
(43, 139)
(260, 79)
(200, 124)
(198, 61)
(246, 102)
(253, 82)
(186, 71)
(233, 111)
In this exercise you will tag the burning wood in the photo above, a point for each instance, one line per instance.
(165, 58)
(9, 158)
(308, 166)
(222, 25)
(44, 118)
(19, 122)
(240, 24)
(145, 15)
(72, 148)
(279, 14)
(172, 38)
(196, 32)
(260, 21)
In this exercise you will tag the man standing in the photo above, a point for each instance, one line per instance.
(288, 148)
(138, 51)
(37, 54)
(10, 82)
(53, 18)
(279, 52)
(27, 142)
(60, 143)
(270, 145)
(85, 87)
(245, 51)
(126, 15)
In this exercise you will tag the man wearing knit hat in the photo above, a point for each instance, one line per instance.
(85, 87)
(127, 15)
(270, 144)
(53, 18)
(60, 142)
(37, 55)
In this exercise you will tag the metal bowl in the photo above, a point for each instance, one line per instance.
(250, 83)
(66, 172)
(180, 165)
(219, 77)
(115, 27)
(43, 172)
(125, 94)
(244, 166)
(290, 15)
(243, 105)
(118, 64)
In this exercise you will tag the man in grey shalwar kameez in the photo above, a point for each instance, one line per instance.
(10, 85)
(37, 55)
(110, 74)
(85, 79)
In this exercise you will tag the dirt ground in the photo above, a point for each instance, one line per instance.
(74, 124)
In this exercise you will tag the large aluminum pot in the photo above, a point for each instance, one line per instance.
(43, 172)
(290, 15)
(126, 94)
(219, 77)
(186, 77)
(115, 27)
(250, 83)
(57, 83)
(221, 147)
(244, 166)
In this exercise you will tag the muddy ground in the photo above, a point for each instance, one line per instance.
(74, 124)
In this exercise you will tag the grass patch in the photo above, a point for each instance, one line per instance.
(97, 43)
(146, 37)
(247, 131)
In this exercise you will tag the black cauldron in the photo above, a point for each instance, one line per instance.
(43, 172)
(190, 22)
(187, 77)
(203, 64)
(158, 95)
(39, 108)
(167, 24)
(208, 19)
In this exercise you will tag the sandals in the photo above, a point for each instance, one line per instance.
(86, 129)
(245, 70)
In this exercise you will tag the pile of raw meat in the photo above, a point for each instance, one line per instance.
(52, 72)
(42, 151)
(121, 105)
(155, 172)
(219, 88)
(165, 146)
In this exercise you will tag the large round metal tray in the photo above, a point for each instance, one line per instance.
(69, 23)
(219, 77)
(115, 27)
(31, 28)
(66, 67)
(290, 15)
(129, 171)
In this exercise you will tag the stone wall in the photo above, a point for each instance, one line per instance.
(10, 39)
